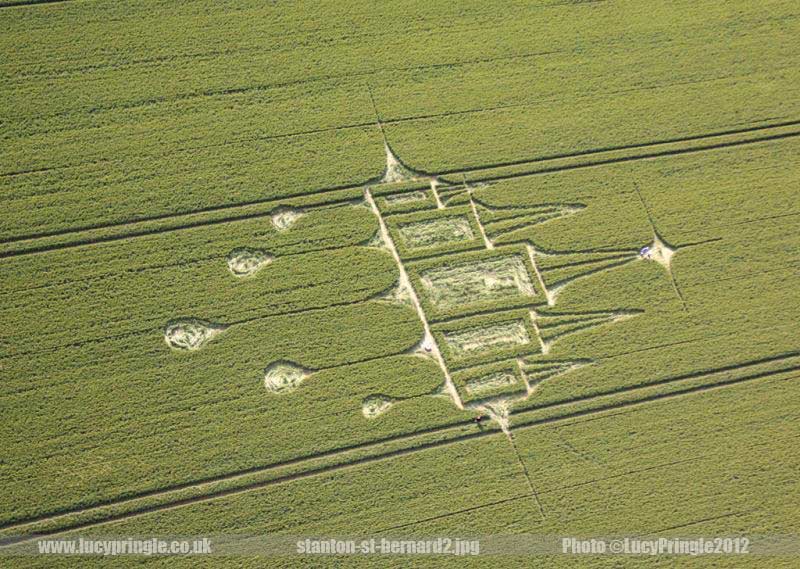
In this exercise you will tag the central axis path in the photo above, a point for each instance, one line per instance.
(405, 283)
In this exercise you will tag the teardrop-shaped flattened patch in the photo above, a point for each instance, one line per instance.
(284, 217)
(190, 333)
(244, 261)
(376, 405)
(283, 377)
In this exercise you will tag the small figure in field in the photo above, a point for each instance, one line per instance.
(479, 420)
(645, 253)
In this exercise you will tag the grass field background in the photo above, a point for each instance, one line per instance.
(145, 142)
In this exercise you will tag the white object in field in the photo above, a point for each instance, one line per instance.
(659, 252)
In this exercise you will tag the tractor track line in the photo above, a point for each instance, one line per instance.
(6, 542)
(637, 146)
(183, 264)
(703, 520)
(657, 397)
(89, 241)
(210, 209)
(336, 79)
(359, 188)
(669, 380)
(623, 159)
(240, 322)
(30, 3)
(242, 489)
(405, 451)
(527, 496)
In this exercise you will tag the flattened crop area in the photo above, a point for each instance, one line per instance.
(266, 282)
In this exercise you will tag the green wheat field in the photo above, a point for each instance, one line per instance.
(410, 269)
